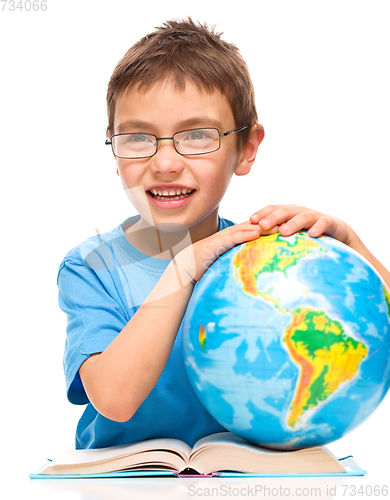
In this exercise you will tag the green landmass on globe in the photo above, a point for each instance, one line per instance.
(327, 358)
(387, 299)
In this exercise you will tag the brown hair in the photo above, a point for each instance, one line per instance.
(187, 51)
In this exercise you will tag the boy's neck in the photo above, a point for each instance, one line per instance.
(161, 244)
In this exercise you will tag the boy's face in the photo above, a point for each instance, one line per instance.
(163, 111)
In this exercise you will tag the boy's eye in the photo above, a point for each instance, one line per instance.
(139, 138)
(197, 141)
(197, 135)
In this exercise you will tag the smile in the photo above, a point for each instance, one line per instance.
(172, 195)
(163, 199)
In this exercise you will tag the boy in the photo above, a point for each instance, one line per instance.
(182, 120)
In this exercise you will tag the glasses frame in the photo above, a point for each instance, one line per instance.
(239, 129)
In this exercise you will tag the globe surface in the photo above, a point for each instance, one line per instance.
(287, 340)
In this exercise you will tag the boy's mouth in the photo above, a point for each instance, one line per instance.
(170, 194)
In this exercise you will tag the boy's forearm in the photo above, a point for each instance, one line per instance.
(123, 375)
(360, 247)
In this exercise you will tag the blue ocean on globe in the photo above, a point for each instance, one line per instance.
(287, 340)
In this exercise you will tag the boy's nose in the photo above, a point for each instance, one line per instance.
(167, 159)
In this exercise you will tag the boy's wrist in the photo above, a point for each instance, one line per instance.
(179, 275)
(183, 277)
(356, 243)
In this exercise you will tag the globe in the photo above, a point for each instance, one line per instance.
(287, 340)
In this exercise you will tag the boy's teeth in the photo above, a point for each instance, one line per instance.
(172, 192)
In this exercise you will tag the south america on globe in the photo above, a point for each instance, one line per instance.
(287, 340)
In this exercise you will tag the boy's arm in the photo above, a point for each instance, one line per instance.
(360, 247)
(288, 219)
(119, 379)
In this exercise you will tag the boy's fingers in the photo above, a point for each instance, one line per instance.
(324, 224)
(249, 226)
(260, 214)
(308, 220)
(304, 220)
(229, 237)
(273, 230)
(235, 235)
(288, 219)
(270, 209)
(244, 231)
(278, 216)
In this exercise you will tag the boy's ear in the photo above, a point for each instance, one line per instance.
(249, 150)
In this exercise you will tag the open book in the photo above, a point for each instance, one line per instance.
(210, 455)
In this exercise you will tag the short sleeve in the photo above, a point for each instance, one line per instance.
(95, 316)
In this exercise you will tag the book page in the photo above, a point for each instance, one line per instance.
(105, 454)
(228, 438)
(226, 451)
(327, 450)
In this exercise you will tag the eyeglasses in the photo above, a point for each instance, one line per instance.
(196, 141)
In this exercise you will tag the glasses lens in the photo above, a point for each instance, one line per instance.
(197, 141)
(134, 145)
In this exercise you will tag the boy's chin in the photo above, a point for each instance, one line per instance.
(171, 227)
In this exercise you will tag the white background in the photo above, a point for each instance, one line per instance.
(322, 79)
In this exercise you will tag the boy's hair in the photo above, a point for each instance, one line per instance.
(187, 52)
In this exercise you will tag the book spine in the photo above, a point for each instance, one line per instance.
(214, 474)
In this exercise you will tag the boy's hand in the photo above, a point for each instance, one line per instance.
(194, 260)
(288, 219)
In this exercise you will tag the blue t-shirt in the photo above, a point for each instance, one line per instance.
(102, 282)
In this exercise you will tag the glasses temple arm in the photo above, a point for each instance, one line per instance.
(234, 131)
